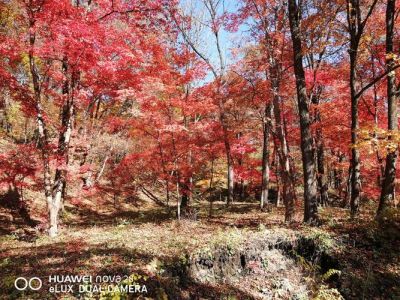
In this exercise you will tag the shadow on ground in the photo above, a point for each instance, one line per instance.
(14, 212)
(78, 258)
(85, 216)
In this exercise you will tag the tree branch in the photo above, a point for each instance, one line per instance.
(375, 81)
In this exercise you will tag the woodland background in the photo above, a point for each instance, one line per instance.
(199, 121)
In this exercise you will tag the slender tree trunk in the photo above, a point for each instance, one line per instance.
(4, 120)
(322, 180)
(166, 173)
(388, 186)
(265, 154)
(211, 174)
(229, 160)
(167, 191)
(210, 187)
(43, 135)
(53, 192)
(190, 189)
(230, 180)
(355, 34)
(239, 187)
(355, 153)
(347, 197)
(287, 184)
(281, 150)
(178, 201)
(339, 174)
(278, 177)
(185, 195)
(321, 177)
(379, 159)
(356, 27)
(309, 170)
(67, 116)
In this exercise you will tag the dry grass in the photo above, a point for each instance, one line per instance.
(145, 239)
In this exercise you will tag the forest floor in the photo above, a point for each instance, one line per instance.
(360, 258)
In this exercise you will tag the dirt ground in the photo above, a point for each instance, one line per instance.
(358, 258)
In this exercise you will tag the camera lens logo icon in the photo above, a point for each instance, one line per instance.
(34, 283)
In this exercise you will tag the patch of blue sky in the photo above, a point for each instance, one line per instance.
(206, 42)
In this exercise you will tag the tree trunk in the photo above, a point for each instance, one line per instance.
(321, 176)
(53, 192)
(178, 201)
(230, 181)
(278, 177)
(310, 185)
(388, 186)
(355, 153)
(43, 136)
(4, 120)
(347, 197)
(185, 195)
(355, 34)
(356, 26)
(339, 174)
(167, 191)
(322, 180)
(379, 159)
(229, 160)
(287, 184)
(67, 116)
(265, 154)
